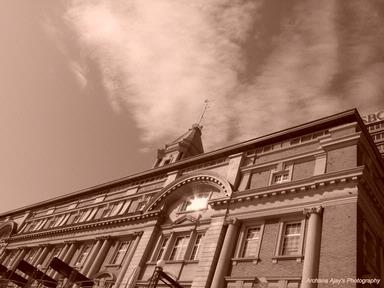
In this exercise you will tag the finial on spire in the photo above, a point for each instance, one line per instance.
(203, 113)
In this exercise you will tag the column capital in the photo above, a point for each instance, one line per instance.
(233, 221)
(313, 210)
(45, 245)
(104, 238)
(70, 242)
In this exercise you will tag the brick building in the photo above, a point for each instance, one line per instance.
(276, 211)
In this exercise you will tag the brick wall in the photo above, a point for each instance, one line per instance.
(303, 169)
(265, 267)
(339, 243)
(341, 158)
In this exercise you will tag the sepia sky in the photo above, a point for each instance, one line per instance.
(89, 89)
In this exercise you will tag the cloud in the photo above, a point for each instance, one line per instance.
(161, 60)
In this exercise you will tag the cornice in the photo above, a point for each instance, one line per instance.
(84, 226)
(300, 186)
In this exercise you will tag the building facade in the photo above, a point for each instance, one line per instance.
(300, 207)
(375, 125)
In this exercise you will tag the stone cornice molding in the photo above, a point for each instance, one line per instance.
(82, 227)
(313, 183)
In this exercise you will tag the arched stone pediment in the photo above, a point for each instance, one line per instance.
(196, 178)
(7, 229)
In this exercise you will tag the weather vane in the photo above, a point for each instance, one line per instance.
(203, 113)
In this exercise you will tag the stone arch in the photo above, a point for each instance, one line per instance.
(104, 279)
(208, 177)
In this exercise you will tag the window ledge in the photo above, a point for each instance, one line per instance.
(112, 265)
(174, 262)
(254, 260)
(298, 258)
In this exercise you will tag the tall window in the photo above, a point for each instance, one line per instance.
(251, 242)
(291, 239)
(84, 252)
(161, 251)
(179, 247)
(121, 252)
(196, 247)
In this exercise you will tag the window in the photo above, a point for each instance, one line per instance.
(84, 252)
(162, 248)
(112, 209)
(280, 177)
(78, 216)
(251, 243)
(55, 252)
(196, 247)
(291, 239)
(120, 252)
(195, 203)
(179, 248)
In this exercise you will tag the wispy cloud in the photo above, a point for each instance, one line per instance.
(161, 60)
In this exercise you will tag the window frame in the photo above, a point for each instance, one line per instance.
(171, 238)
(239, 252)
(113, 259)
(81, 253)
(281, 169)
(280, 239)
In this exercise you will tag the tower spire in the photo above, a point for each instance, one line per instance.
(203, 113)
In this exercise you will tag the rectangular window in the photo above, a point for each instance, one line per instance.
(251, 243)
(179, 247)
(291, 239)
(280, 177)
(196, 247)
(121, 252)
(84, 252)
(78, 216)
(162, 248)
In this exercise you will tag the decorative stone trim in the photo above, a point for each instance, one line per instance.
(308, 211)
(83, 227)
(201, 176)
(301, 186)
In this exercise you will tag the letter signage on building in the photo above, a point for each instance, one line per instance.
(375, 117)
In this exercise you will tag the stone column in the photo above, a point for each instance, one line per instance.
(3, 256)
(19, 257)
(43, 252)
(128, 259)
(91, 257)
(225, 255)
(100, 257)
(312, 247)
